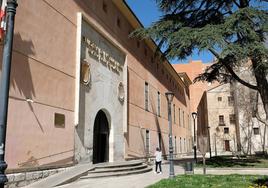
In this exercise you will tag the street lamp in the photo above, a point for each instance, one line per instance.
(169, 96)
(5, 82)
(194, 115)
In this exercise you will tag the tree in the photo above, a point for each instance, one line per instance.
(203, 146)
(234, 31)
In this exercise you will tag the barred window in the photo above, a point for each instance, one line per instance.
(146, 93)
(256, 131)
(230, 100)
(174, 113)
(221, 120)
(226, 130)
(158, 103)
(232, 118)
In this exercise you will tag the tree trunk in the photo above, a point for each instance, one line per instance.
(262, 84)
(236, 111)
(204, 164)
(264, 137)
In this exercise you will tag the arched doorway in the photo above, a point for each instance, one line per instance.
(101, 138)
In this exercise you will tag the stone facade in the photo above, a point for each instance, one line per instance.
(237, 126)
(25, 178)
(214, 113)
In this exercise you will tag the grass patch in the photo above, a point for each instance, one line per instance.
(249, 162)
(215, 181)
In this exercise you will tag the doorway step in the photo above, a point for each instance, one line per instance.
(117, 169)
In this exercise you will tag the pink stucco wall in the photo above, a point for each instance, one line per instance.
(43, 70)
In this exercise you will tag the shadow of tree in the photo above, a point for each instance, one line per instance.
(21, 75)
(261, 182)
(157, 125)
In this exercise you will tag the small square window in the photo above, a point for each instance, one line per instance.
(59, 120)
(226, 130)
(256, 131)
(219, 98)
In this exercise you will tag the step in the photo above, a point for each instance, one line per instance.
(118, 164)
(101, 170)
(110, 174)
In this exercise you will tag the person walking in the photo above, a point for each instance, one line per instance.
(158, 160)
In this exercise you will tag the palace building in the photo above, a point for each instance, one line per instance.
(82, 90)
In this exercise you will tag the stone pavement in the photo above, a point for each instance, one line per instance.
(143, 180)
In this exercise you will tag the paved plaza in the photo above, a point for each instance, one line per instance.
(143, 180)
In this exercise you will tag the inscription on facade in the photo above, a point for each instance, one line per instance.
(102, 56)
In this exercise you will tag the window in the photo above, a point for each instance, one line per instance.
(158, 103)
(147, 142)
(59, 120)
(232, 118)
(179, 117)
(145, 51)
(118, 22)
(152, 60)
(188, 122)
(174, 113)
(226, 130)
(189, 143)
(183, 119)
(221, 120)
(230, 100)
(159, 140)
(256, 130)
(138, 44)
(184, 146)
(219, 98)
(146, 93)
(227, 145)
(175, 145)
(180, 146)
(104, 7)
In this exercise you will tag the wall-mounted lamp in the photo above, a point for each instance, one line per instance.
(29, 100)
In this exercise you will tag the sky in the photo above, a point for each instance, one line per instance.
(147, 12)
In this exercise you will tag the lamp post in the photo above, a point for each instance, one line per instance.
(194, 115)
(5, 79)
(169, 96)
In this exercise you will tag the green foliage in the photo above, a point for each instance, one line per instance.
(224, 161)
(233, 31)
(206, 181)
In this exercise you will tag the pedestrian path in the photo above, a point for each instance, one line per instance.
(146, 179)
(132, 181)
